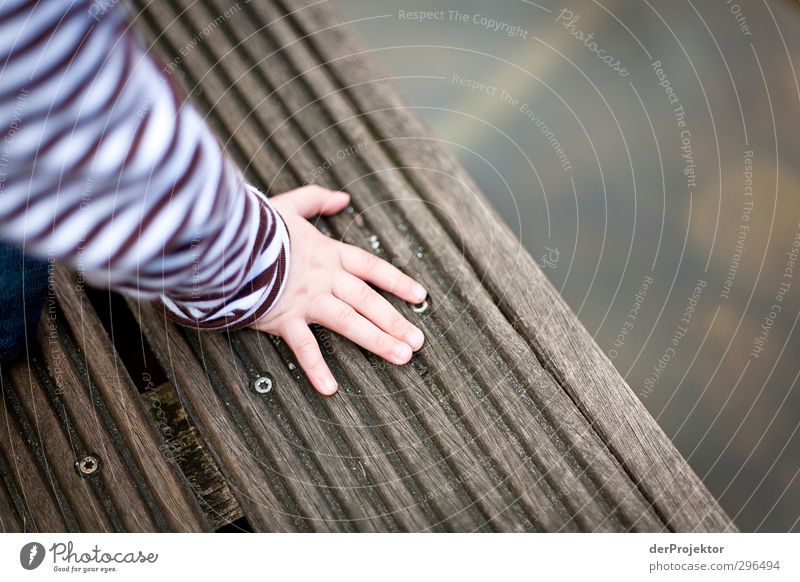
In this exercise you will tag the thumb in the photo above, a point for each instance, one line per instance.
(314, 200)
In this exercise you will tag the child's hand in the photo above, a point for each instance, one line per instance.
(326, 286)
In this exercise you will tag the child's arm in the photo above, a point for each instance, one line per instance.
(109, 170)
(105, 167)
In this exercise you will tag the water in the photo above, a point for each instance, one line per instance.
(646, 155)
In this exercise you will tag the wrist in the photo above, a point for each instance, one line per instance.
(261, 285)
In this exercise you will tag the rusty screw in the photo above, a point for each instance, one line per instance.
(88, 465)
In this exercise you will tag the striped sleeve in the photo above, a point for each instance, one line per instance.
(104, 165)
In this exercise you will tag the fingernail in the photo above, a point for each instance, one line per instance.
(329, 385)
(402, 353)
(415, 338)
(419, 293)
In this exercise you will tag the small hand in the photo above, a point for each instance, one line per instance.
(326, 285)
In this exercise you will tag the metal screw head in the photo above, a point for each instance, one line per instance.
(88, 465)
(263, 385)
(420, 307)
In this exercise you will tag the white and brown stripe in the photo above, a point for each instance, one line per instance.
(104, 165)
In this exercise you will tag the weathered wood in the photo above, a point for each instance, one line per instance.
(72, 401)
(510, 418)
(516, 284)
(183, 446)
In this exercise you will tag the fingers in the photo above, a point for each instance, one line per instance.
(305, 347)
(377, 309)
(375, 270)
(314, 200)
(344, 320)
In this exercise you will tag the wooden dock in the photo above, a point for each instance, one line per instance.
(509, 419)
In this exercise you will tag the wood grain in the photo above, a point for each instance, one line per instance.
(496, 424)
(509, 419)
(183, 446)
(70, 399)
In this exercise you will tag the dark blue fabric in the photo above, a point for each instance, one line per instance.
(23, 288)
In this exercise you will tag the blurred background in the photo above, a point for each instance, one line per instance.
(646, 154)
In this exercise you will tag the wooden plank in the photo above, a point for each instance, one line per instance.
(510, 418)
(183, 446)
(77, 449)
(230, 438)
(36, 504)
(10, 519)
(517, 285)
(320, 85)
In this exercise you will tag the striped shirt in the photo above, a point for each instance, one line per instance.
(103, 165)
